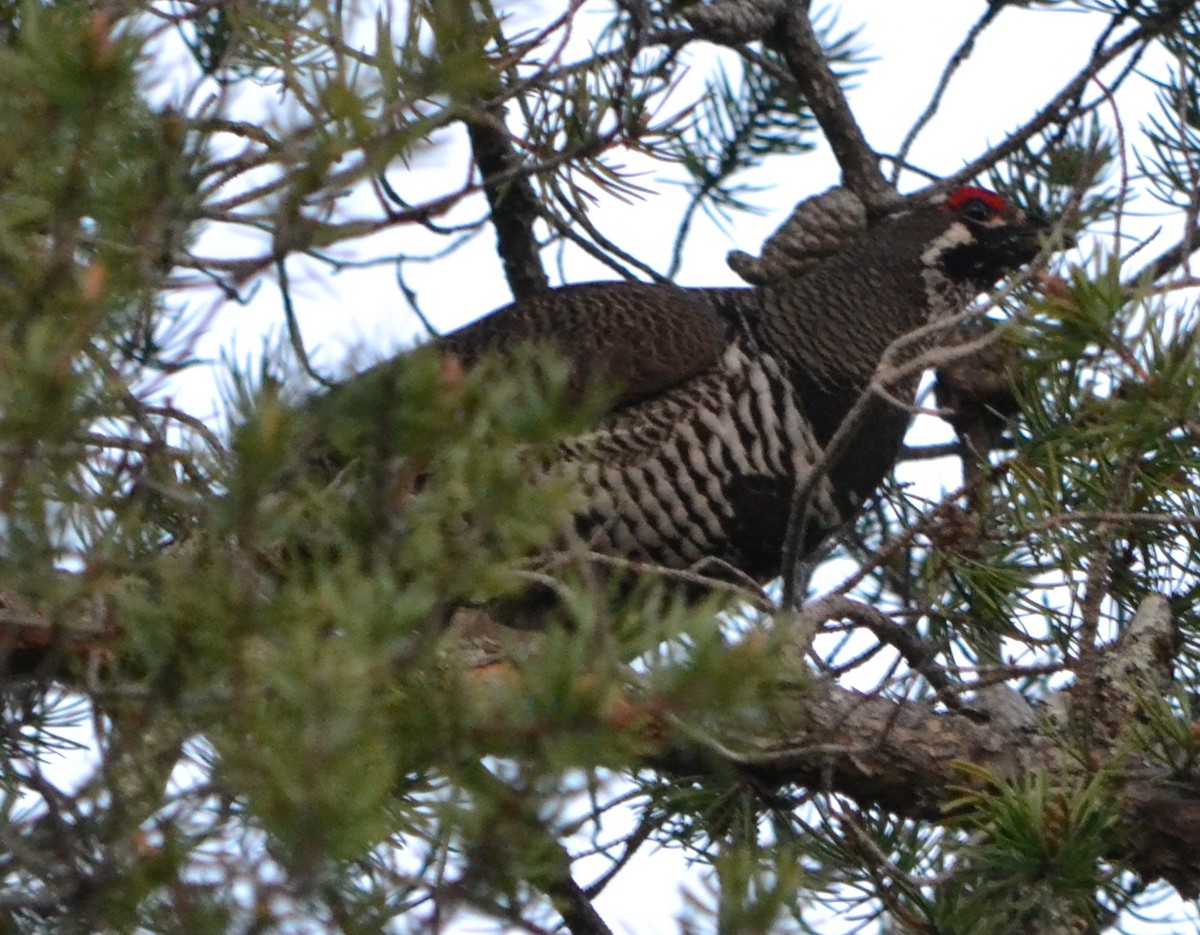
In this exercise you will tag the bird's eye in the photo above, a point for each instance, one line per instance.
(976, 209)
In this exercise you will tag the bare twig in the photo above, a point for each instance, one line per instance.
(930, 452)
(1099, 564)
(1167, 261)
(961, 54)
(887, 374)
(916, 652)
(633, 842)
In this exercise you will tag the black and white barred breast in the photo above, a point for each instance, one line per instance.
(707, 468)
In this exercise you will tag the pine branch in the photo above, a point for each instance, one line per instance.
(578, 914)
(1064, 106)
(553, 877)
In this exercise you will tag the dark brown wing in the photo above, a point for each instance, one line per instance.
(636, 338)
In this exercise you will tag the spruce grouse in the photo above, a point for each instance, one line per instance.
(726, 397)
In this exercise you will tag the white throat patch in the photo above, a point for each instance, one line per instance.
(956, 235)
(945, 297)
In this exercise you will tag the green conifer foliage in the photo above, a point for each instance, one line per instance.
(248, 679)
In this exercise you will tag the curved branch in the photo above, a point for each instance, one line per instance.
(961, 54)
(1169, 260)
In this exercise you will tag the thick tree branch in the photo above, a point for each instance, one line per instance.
(797, 42)
(912, 759)
(1169, 260)
(579, 915)
(514, 205)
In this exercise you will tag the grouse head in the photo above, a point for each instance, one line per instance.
(925, 262)
(982, 238)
